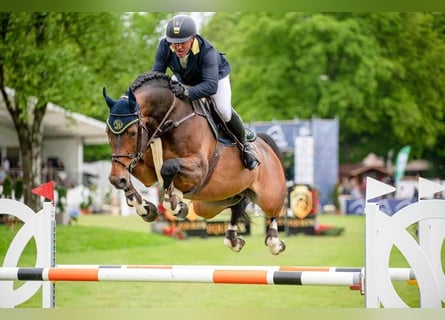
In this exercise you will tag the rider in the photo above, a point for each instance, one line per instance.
(204, 72)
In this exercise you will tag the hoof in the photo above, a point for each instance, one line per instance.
(150, 212)
(232, 241)
(149, 217)
(283, 246)
(239, 244)
(183, 210)
(276, 246)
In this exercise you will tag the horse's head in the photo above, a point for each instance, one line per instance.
(124, 112)
(149, 110)
(126, 137)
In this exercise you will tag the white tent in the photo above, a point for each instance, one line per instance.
(64, 134)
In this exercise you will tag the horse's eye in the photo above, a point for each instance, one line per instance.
(132, 134)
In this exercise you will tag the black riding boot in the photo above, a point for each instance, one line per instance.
(248, 153)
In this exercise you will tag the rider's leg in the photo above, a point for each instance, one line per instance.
(249, 157)
(223, 103)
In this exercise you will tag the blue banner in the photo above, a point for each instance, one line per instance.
(388, 206)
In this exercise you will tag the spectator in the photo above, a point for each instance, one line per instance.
(6, 165)
(2, 174)
(356, 192)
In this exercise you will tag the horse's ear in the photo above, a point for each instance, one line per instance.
(131, 98)
(110, 102)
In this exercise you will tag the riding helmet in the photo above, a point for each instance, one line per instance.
(180, 29)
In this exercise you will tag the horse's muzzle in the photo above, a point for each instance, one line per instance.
(119, 181)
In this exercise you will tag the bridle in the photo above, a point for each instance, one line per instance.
(141, 145)
(144, 137)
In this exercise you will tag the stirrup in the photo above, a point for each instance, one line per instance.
(249, 156)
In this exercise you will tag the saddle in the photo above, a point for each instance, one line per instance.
(206, 107)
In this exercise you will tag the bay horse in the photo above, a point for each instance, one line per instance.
(157, 137)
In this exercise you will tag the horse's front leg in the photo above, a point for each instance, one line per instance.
(172, 197)
(146, 210)
(121, 179)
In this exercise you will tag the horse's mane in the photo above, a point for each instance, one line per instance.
(162, 79)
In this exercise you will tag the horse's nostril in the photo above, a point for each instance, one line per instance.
(123, 182)
(119, 182)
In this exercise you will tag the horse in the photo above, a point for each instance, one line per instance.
(157, 137)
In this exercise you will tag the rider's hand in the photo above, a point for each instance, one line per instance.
(178, 89)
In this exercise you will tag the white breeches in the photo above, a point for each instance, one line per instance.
(223, 98)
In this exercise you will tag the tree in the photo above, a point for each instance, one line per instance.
(64, 58)
(381, 74)
(27, 104)
(411, 92)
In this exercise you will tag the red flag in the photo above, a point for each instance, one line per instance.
(45, 190)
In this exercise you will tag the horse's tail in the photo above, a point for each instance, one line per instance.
(271, 142)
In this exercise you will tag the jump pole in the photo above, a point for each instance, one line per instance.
(215, 275)
(262, 275)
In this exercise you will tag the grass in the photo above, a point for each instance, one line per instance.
(106, 239)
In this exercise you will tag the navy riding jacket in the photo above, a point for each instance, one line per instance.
(205, 66)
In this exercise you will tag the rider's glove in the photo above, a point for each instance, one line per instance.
(178, 89)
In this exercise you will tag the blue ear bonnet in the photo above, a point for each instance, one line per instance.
(123, 114)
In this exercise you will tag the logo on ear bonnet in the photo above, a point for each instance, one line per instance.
(117, 125)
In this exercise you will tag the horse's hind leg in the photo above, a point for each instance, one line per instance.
(232, 240)
(275, 245)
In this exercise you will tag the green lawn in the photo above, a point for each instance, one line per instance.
(106, 239)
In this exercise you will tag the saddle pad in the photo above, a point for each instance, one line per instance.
(216, 123)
